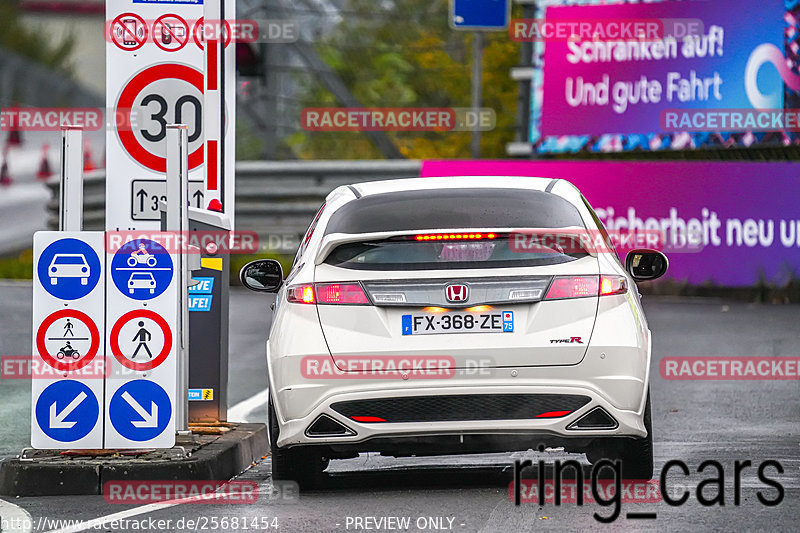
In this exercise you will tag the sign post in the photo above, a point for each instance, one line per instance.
(177, 223)
(71, 201)
(478, 16)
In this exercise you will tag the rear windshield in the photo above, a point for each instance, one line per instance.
(407, 253)
(446, 209)
(454, 208)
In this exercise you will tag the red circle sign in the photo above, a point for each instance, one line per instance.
(132, 315)
(93, 333)
(199, 29)
(125, 105)
(173, 34)
(125, 32)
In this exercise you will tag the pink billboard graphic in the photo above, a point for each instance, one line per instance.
(741, 220)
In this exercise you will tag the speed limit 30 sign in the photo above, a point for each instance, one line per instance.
(156, 76)
(167, 93)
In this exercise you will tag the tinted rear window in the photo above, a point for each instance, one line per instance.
(400, 253)
(454, 208)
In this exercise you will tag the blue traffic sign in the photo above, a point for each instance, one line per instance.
(67, 411)
(68, 269)
(140, 410)
(480, 14)
(141, 269)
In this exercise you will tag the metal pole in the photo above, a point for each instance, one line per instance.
(71, 199)
(177, 222)
(477, 59)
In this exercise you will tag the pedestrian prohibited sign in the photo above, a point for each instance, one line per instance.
(141, 269)
(141, 340)
(68, 340)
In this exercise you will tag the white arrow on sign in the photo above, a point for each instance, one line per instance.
(57, 419)
(150, 420)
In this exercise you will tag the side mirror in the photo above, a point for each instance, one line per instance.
(262, 275)
(646, 265)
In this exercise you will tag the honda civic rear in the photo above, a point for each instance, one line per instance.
(456, 315)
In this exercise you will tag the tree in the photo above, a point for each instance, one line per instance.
(404, 54)
(35, 45)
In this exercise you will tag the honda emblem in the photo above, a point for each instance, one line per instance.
(456, 293)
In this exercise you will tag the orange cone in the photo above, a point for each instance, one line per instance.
(5, 177)
(44, 167)
(88, 164)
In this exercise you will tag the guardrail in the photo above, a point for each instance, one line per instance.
(272, 197)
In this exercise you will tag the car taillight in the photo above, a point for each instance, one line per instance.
(573, 287)
(327, 293)
(613, 285)
(583, 286)
(340, 293)
(301, 294)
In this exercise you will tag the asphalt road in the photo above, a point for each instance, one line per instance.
(694, 421)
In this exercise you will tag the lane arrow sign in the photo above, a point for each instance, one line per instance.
(149, 420)
(141, 195)
(57, 419)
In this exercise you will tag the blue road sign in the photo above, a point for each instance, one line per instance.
(68, 269)
(140, 410)
(141, 269)
(480, 14)
(67, 410)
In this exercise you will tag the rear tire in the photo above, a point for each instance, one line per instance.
(302, 464)
(636, 454)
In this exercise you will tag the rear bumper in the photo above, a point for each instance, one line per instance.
(547, 431)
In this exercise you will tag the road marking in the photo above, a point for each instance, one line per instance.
(17, 518)
(98, 523)
(241, 411)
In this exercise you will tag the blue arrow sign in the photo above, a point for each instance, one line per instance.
(68, 269)
(141, 269)
(67, 411)
(140, 410)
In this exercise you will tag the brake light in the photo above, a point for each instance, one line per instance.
(573, 287)
(341, 293)
(301, 294)
(583, 286)
(455, 236)
(613, 285)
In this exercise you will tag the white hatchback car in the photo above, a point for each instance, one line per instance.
(419, 319)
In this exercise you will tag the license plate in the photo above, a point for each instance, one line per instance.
(454, 322)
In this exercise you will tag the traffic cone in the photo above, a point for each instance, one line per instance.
(44, 167)
(14, 135)
(5, 177)
(14, 138)
(88, 164)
